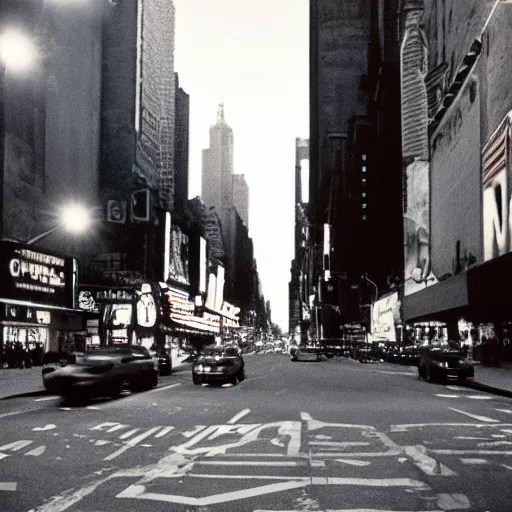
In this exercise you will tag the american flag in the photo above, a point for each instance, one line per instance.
(495, 152)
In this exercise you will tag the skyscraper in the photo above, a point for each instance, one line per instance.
(181, 137)
(217, 179)
(241, 197)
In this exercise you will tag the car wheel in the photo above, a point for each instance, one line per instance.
(462, 378)
(196, 379)
(428, 375)
(116, 388)
(232, 380)
(241, 375)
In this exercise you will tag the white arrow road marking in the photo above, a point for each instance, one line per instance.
(8, 486)
(50, 426)
(474, 461)
(271, 463)
(36, 451)
(164, 431)
(359, 463)
(238, 416)
(139, 491)
(427, 464)
(192, 433)
(17, 445)
(475, 416)
(320, 437)
(453, 501)
(304, 416)
(276, 442)
(471, 452)
(132, 442)
(340, 444)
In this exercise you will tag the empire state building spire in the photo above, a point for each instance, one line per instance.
(220, 113)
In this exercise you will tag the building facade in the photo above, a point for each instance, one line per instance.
(241, 197)
(181, 147)
(456, 271)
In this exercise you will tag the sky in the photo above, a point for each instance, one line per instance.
(255, 57)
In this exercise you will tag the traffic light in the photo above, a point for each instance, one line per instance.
(140, 205)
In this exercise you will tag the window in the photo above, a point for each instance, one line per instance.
(363, 180)
(364, 194)
(364, 217)
(363, 168)
(363, 157)
(364, 205)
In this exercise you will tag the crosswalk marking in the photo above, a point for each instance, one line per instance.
(102, 426)
(473, 461)
(17, 445)
(164, 431)
(117, 427)
(506, 411)
(129, 433)
(36, 451)
(8, 486)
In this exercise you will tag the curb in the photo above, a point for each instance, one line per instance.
(489, 389)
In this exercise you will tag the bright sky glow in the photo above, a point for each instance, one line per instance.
(254, 56)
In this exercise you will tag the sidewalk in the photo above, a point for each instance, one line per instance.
(495, 380)
(14, 381)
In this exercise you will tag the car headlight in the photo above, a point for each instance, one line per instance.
(199, 368)
(441, 364)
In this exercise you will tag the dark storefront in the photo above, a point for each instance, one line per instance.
(37, 303)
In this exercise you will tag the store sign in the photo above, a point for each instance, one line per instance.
(179, 257)
(35, 276)
(497, 193)
(385, 317)
(89, 298)
(26, 314)
(146, 307)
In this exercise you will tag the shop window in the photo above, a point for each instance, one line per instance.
(363, 168)
(364, 205)
(365, 217)
(363, 157)
(364, 194)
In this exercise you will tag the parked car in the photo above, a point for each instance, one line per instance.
(305, 353)
(163, 360)
(218, 365)
(440, 365)
(101, 371)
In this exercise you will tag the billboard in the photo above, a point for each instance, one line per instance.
(455, 186)
(35, 276)
(202, 265)
(496, 189)
(385, 317)
(219, 291)
(417, 265)
(179, 257)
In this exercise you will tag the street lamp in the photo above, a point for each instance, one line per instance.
(73, 218)
(17, 51)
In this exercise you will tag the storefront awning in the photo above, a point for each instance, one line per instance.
(37, 305)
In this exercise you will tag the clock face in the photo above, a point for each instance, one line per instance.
(146, 311)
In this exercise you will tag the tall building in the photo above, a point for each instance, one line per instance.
(181, 145)
(138, 100)
(217, 179)
(241, 197)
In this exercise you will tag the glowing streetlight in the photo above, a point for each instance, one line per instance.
(74, 218)
(17, 51)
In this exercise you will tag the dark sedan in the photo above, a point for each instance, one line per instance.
(101, 371)
(218, 365)
(439, 365)
(305, 353)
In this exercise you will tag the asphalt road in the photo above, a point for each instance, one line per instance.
(294, 436)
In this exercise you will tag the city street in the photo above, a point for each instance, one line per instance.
(334, 435)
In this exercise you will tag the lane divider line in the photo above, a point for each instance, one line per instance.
(475, 416)
(132, 442)
(238, 416)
